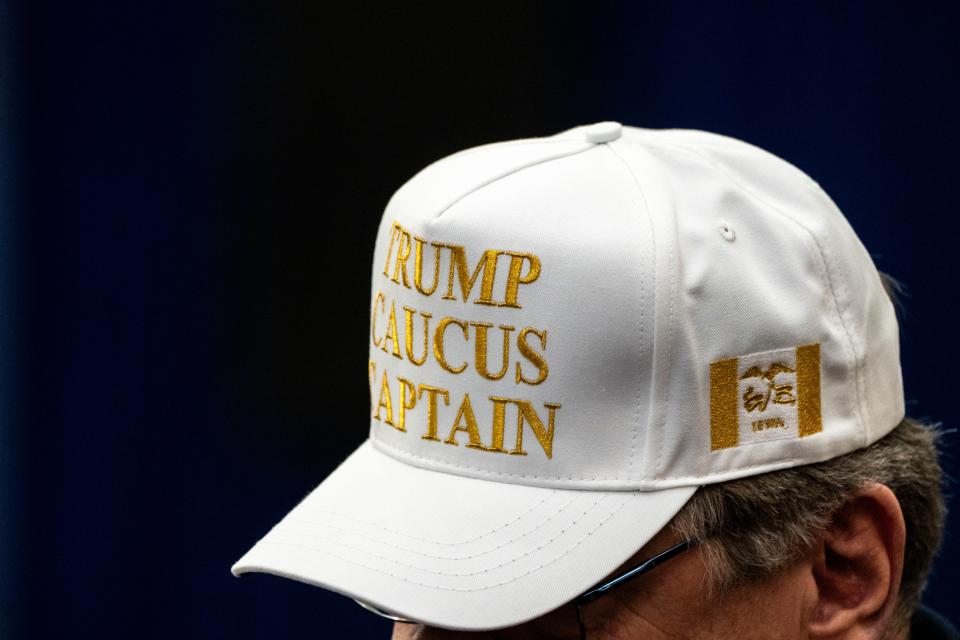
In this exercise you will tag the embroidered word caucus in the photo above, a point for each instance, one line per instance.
(414, 336)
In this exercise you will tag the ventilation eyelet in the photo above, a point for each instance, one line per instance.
(727, 231)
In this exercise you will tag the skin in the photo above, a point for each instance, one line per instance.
(844, 588)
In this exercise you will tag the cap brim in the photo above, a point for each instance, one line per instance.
(452, 551)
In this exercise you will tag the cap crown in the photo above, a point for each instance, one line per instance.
(654, 309)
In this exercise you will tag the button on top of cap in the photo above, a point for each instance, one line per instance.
(603, 132)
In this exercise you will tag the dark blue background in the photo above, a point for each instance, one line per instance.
(188, 198)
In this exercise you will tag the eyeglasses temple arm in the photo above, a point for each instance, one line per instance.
(601, 589)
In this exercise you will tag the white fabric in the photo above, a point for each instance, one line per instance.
(662, 255)
(453, 551)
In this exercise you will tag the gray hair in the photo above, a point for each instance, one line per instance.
(754, 527)
(751, 528)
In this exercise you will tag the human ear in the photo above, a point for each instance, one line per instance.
(857, 567)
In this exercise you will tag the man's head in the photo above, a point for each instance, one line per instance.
(837, 549)
(619, 339)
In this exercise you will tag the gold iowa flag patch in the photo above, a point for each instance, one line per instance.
(772, 395)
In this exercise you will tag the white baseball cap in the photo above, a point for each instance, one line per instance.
(568, 336)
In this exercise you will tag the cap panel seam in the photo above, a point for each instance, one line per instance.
(860, 360)
(491, 145)
(471, 151)
(509, 172)
(821, 264)
(636, 422)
